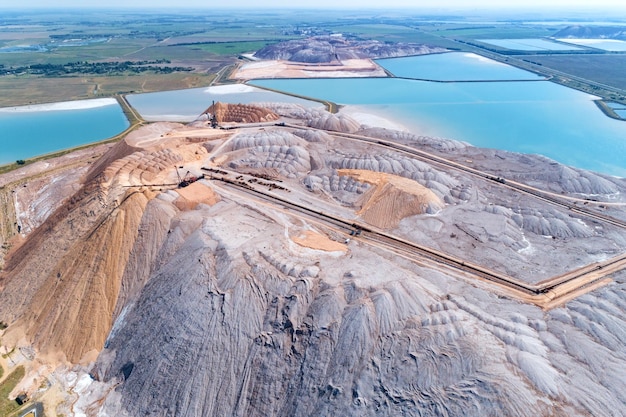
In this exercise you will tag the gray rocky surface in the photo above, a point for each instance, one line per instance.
(592, 32)
(225, 327)
(326, 49)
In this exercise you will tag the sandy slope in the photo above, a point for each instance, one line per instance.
(392, 198)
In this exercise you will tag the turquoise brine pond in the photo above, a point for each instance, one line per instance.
(611, 45)
(29, 131)
(536, 117)
(614, 105)
(454, 66)
(529, 44)
(621, 113)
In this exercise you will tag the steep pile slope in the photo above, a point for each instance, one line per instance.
(71, 312)
(64, 282)
(60, 289)
(592, 32)
(240, 113)
(392, 198)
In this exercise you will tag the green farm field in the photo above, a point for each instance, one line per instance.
(482, 31)
(606, 69)
(205, 41)
(30, 90)
(232, 48)
(7, 407)
(394, 33)
(200, 43)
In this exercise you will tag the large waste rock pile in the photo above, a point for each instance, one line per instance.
(328, 49)
(208, 301)
(240, 113)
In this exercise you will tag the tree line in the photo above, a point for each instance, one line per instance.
(95, 68)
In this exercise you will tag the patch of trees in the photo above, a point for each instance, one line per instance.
(81, 36)
(96, 68)
(162, 34)
(223, 42)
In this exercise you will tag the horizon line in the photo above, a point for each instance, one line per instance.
(596, 9)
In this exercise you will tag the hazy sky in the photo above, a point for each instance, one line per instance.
(569, 4)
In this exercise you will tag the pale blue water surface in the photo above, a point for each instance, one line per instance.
(26, 134)
(525, 116)
(614, 105)
(22, 48)
(51, 45)
(611, 45)
(454, 66)
(529, 44)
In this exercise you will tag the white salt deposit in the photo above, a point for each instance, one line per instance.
(61, 106)
(482, 59)
(231, 89)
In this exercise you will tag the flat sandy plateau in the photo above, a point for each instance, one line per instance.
(286, 69)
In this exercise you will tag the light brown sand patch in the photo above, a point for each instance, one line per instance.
(194, 194)
(314, 240)
(392, 198)
(150, 135)
(208, 133)
(240, 113)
